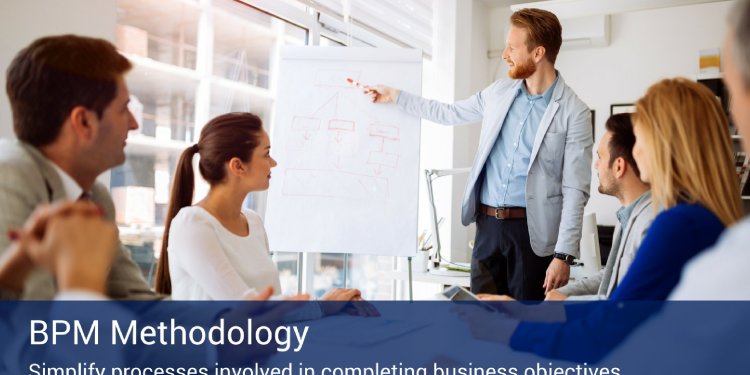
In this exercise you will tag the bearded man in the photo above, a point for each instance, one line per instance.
(532, 170)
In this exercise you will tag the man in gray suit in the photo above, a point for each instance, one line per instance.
(71, 117)
(619, 177)
(531, 174)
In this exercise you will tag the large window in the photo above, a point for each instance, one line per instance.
(192, 61)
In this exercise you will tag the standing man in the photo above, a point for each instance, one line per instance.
(619, 177)
(531, 174)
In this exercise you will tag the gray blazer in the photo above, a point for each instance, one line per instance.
(28, 179)
(559, 175)
(601, 285)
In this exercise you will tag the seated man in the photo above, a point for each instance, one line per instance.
(619, 177)
(70, 114)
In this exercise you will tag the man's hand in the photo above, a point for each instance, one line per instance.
(555, 295)
(81, 249)
(382, 94)
(29, 248)
(35, 227)
(558, 274)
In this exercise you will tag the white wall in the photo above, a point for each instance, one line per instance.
(498, 31)
(22, 21)
(645, 46)
(471, 76)
(458, 69)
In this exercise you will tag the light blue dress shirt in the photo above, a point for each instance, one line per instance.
(507, 166)
(623, 214)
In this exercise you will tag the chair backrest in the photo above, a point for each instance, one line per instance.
(590, 253)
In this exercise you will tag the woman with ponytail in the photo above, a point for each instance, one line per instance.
(216, 249)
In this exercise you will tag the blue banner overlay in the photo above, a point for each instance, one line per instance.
(441, 338)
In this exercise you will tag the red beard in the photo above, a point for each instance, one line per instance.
(522, 71)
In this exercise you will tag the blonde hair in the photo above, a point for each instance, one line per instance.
(688, 148)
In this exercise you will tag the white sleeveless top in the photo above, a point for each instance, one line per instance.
(208, 262)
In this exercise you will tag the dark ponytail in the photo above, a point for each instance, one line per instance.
(181, 196)
(223, 138)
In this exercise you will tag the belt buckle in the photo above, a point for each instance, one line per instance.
(497, 213)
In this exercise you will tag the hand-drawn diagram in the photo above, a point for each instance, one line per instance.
(333, 155)
(347, 179)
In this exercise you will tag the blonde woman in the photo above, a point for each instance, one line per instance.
(683, 150)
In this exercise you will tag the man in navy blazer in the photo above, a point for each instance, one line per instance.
(531, 174)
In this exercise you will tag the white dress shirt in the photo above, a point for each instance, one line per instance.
(73, 191)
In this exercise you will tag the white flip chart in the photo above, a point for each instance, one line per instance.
(347, 174)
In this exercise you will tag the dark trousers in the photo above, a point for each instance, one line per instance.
(503, 262)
